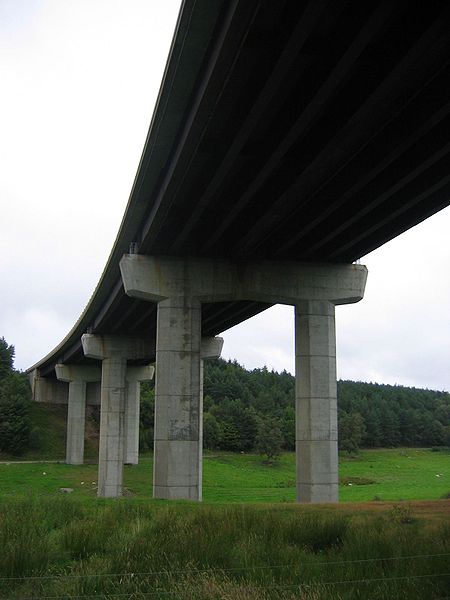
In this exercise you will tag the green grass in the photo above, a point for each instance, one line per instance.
(390, 475)
(59, 547)
(243, 543)
(398, 474)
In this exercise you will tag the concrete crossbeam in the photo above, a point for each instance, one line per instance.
(155, 278)
(46, 390)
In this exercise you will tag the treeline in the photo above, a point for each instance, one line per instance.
(254, 410)
(15, 404)
(393, 416)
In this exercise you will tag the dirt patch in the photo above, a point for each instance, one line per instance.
(428, 510)
(356, 481)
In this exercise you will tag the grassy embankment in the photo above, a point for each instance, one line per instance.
(49, 424)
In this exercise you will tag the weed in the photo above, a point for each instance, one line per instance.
(195, 552)
(402, 514)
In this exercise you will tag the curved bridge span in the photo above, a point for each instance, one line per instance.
(289, 139)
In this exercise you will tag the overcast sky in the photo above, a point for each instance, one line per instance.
(79, 80)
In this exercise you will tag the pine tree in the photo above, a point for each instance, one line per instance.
(351, 431)
(269, 440)
(6, 358)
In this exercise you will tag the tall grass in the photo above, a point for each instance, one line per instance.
(67, 548)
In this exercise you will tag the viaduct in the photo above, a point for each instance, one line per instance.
(289, 139)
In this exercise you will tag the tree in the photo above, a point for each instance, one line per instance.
(288, 428)
(6, 358)
(212, 433)
(269, 440)
(230, 437)
(351, 431)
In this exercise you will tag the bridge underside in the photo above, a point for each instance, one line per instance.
(295, 132)
(306, 131)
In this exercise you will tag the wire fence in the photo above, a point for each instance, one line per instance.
(294, 587)
(304, 564)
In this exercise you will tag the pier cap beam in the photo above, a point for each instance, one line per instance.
(211, 347)
(68, 373)
(154, 278)
(104, 346)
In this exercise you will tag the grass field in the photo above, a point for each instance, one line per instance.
(387, 475)
(247, 541)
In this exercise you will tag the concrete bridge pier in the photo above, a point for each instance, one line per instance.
(134, 377)
(113, 351)
(78, 376)
(316, 402)
(180, 285)
(177, 444)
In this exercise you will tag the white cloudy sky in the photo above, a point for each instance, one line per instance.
(78, 80)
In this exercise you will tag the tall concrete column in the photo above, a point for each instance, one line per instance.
(316, 402)
(77, 376)
(176, 471)
(111, 444)
(113, 351)
(76, 418)
(134, 377)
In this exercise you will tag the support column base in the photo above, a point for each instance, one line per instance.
(110, 491)
(176, 470)
(317, 471)
(176, 492)
(317, 493)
